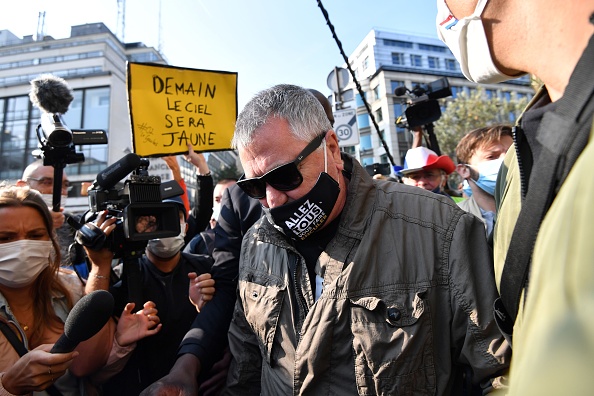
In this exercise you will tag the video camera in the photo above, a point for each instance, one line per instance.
(423, 107)
(52, 95)
(141, 215)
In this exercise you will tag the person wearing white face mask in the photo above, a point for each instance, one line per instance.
(480, 154)
(203, 242)
(543, 252)
(168, 277)
(36, 296)
(41, 178)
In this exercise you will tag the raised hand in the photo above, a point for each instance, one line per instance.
(136, 326)
(201, 289)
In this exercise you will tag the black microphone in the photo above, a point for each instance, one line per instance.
(116, 171)
(87, 317)
(399, 91)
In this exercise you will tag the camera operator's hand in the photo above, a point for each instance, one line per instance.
(36, 370)
(58, 218)
(201, 289)
(102, 258)
(417, 133)
(136, 326)
(99, 275)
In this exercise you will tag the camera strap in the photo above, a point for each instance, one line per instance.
(563, 133)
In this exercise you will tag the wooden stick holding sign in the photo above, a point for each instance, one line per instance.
(171, 107)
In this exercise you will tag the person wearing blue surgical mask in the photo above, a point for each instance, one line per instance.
(480, 154)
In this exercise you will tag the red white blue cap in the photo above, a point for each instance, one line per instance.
(422, 158)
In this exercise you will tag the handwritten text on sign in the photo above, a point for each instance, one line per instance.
(172, 107)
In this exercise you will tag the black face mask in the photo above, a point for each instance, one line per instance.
(303, 217)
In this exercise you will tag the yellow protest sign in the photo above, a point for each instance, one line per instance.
(171, 107)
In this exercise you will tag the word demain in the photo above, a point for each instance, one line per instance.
(170, 87)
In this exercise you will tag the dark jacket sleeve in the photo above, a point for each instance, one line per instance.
(208, 336)
(202, 209)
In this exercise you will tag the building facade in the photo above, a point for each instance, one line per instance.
(386, 60)
(93, 62)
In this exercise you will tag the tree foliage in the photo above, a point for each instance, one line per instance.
(470, 111)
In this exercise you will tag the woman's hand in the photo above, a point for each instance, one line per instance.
(135, 326)
(36, 370)
(201, 289)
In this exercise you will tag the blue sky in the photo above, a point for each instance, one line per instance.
(266, 41)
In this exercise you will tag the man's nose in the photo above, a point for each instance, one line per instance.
(274, 197)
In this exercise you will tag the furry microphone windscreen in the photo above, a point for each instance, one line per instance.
(51, 94)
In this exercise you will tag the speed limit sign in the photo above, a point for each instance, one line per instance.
(345, 126)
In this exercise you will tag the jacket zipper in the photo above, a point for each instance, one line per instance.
(300, 298)
(515, 131)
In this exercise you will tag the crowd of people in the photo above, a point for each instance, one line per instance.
(307, 275)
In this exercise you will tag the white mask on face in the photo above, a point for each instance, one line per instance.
(216, 211)
(467, 40)
(49, 199)
(22, 261)
(168, 247)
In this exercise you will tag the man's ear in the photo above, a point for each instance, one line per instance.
(463, 171)
(21, 183)
(334, 149)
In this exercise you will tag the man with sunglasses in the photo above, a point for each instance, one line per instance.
(349, 285)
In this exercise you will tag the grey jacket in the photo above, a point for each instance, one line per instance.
(406, 302)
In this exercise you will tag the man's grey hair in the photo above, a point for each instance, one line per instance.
(299, 107)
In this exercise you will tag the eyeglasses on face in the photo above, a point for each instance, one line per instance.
(282, 178)
(427, 175)
(49, 182)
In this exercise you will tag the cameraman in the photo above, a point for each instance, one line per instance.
(164, 279)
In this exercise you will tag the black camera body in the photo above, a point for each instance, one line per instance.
(141, 215)
(423, 107)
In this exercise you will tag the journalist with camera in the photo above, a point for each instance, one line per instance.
(146, 232)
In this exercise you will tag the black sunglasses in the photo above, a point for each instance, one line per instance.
(283, 178)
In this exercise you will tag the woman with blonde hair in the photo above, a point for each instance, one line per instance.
(36, 296)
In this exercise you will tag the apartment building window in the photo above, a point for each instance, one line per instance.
(398, 43)
(376, 93)
(456, 91)
(451, 65)
(90, 110)
(433, 48)
(416, 60)
(365, 143)
(379, 116)
(395, 84)
(397, 58)
(18, 137)
(368, 160)
(365, 63)
(433, 62)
